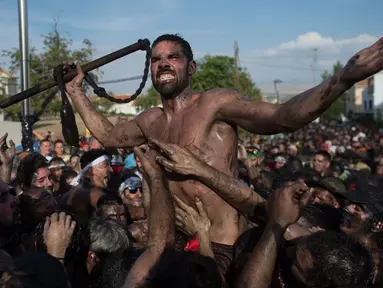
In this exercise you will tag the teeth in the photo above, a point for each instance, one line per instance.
(164, 77)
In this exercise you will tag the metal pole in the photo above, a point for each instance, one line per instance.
(277, 81)
(24, 51)
(27, 120)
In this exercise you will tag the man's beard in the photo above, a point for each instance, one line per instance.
(169, 89)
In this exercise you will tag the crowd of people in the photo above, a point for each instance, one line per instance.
(173, 197)
(108, 217)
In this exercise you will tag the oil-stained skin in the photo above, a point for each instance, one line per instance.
(214, 142)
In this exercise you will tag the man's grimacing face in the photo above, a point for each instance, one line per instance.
(171, 70)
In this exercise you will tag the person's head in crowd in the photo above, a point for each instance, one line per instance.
(117, 266)
(294, 164)
(45, 147)
(364, 212)
(77, 247)
(94, 144)
(282, 147)
(97, 166)
(379, 167)
(110, 206)
(327, 259)
(322, 162)
(330, 191)
(374, 242)
(36, 204)
(41, 270)
(65, 179)
(9, 207)
(315, 217)
(58, 148)
(33, 172)
(274, 150)
(265, 180)
(279, 161)
(131, 191)
(183, 270)
(292, 150)
(106, 236)
(286, 178)
(74, 162)
(56, 166)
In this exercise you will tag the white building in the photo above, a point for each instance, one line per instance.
(373, 95)
(8, 83)
(8, 86)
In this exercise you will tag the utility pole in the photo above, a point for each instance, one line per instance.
(276, 82)
(26, 119)
(236, 60)
(313, 66)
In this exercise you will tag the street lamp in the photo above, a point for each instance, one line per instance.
(277, 81)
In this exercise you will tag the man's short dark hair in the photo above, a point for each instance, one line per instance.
(90, 156)
(28, 167)
(183, 270)
(175, 38)
(338, 260)
(44, 140)
(325, 154)
(56, 159)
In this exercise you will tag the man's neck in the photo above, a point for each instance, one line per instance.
(174, 104)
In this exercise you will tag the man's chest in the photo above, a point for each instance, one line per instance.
(182, 130)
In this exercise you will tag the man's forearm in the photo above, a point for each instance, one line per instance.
(259, 268)
(204, 243)
(161, 217)
(5, 172)
(98, 125)
(231, 190)
(309, 105)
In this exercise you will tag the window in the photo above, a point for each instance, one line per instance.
(370, 104)
(365, 105)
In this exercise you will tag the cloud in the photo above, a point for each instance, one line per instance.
(313, 40)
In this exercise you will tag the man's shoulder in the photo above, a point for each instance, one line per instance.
(219, 96)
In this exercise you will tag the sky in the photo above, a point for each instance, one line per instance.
(276, 38)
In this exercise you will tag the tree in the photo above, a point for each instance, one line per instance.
(219, 72)
(103, 105)
(151, 99)
(335, 111)
(56, 49)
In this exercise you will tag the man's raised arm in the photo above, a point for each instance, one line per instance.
(266, 118)
(126, 133)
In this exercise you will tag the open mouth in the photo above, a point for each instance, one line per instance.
(166, 77)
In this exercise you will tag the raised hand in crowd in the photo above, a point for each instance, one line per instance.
(7, 154)
(285, 207)
(58, 232)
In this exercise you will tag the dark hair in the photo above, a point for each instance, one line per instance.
(117, 266)
(183, 269)
(338, 260)
(63, 185)
(44, 140)
(107, 200)
(78, 246)
(176, 38)
(58, 141)
(90, 156)
(28, 167)
(284, 177)
(321, 215)
(56, 159)
(325, 154)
